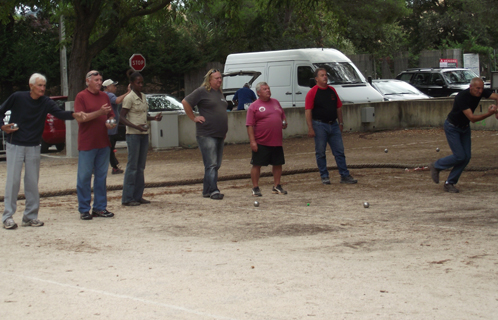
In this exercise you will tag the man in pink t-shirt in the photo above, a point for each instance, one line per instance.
(265, 121)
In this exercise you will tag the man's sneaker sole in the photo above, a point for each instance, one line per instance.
(349, 180)
(277, 190)
(102, 214)
(32, 223)
(14, 226)
(256, 192)
(450, 188)
(85, 216)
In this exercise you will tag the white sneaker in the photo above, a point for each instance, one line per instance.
(9, 224)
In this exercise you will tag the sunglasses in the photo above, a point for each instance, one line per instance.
(94, 74)
(213, 71)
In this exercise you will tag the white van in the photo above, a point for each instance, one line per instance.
(288, 73)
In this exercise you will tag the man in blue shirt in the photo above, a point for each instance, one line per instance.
(244, 96)
(110, 89)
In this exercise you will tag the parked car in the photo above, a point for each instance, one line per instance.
(158, 102)
(392, 89)
(54, 132)
(438, 82)
(162, 102)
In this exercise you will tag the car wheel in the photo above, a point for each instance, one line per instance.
(44, 146)
(60, 146)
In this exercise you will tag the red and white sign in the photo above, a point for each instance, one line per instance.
(137, 62)
(448, 63)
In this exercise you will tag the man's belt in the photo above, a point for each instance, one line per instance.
(456, 126)
(327, 122)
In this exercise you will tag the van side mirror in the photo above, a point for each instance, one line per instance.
(312, 82)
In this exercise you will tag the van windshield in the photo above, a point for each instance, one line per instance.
(340, 72)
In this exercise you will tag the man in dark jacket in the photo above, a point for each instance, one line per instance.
(27, 119)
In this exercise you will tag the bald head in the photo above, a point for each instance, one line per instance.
(476, 87)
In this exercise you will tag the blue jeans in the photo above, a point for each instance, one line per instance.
(459, 141)
(212, 154)
(134, 179)
(16, 157)
(94, 161)
(331, 134)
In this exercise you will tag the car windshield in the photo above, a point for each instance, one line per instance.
(395, 87)
(459, 76)
(162, 102)
(340, 72)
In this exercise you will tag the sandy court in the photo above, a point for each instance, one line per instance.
(415, 253)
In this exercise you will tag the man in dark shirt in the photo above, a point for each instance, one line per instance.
(322, 110)
(28, 111)
(457, 130)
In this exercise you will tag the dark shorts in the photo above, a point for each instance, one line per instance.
(268, 155)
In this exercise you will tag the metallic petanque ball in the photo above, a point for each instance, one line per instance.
(385, 150)
(366, 204)
(14, 126)
(111, 121)
(256, 204)
(437, 149)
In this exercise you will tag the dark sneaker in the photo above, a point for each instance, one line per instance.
(32, 223)
(116, 171)
(278, 190)
(131, 204)
(217, 196)
(9, 224)
(348, 179)
(256, 192)
(102, 214)
(325, 180)
(85, 216)
(450, 187)
(434, 173)
(143, 201)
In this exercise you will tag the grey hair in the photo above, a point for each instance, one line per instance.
(260, 84)
(34, 76)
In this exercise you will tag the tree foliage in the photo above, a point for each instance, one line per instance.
(177, 36)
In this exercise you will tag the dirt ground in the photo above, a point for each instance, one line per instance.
(417, 252)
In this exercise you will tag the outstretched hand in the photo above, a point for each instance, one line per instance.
(79, 116)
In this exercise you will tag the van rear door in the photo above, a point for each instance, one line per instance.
(280, 80)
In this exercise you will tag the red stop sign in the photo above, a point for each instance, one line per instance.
(137, 62)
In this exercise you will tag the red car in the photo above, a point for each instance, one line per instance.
(54, 132)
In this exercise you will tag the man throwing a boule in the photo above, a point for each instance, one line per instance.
(457, 130)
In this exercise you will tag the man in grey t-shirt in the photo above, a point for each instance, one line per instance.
(211, 128)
